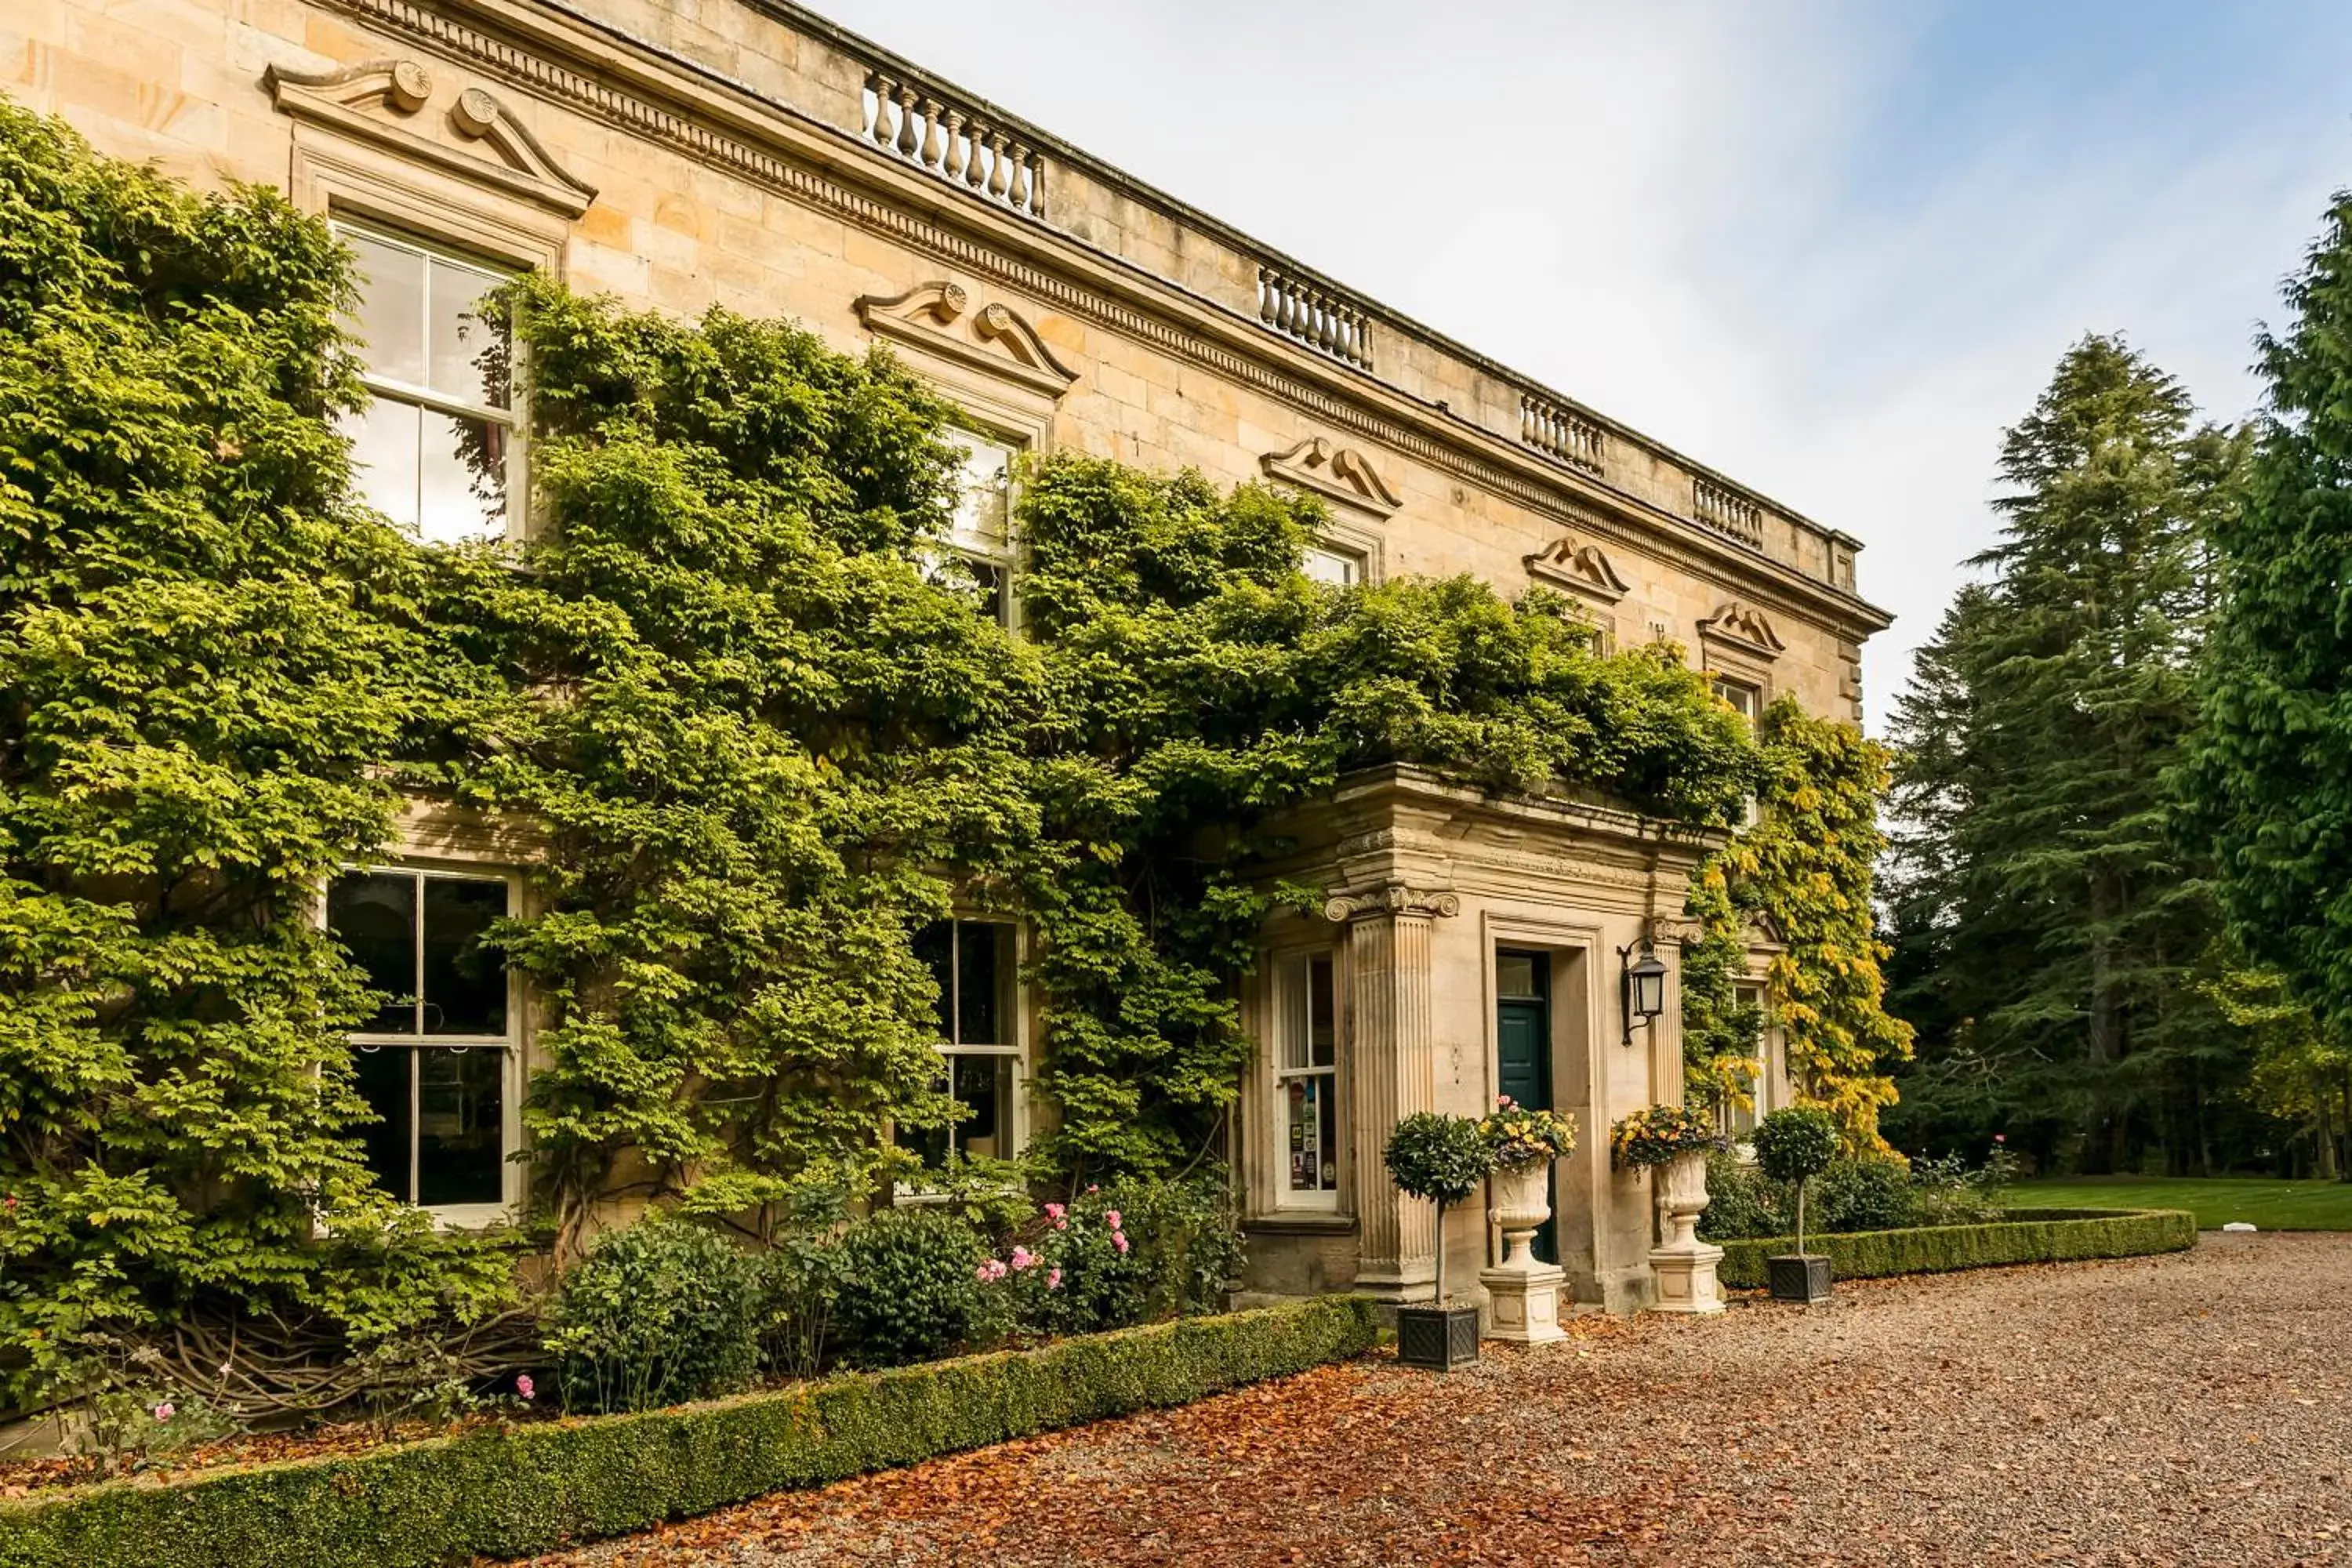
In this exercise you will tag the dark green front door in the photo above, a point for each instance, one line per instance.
(1523, 1048)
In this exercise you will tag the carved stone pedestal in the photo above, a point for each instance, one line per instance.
(1684, 1265)
(1522, 1294)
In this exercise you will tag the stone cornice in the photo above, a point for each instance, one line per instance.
(648, 92)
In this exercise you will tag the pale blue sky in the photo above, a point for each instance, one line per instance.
(1830, 249)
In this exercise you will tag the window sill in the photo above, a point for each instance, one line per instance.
(1302, 1222)
(471, 1217)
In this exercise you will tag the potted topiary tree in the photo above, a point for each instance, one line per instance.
(1442, 1160)
(1796, 1145)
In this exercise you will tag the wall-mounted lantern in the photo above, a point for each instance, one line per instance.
(1642, 984)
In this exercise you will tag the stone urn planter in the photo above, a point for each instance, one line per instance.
(1522, 1292)
(1684, 1265)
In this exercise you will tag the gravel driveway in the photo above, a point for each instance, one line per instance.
(2191, 1409)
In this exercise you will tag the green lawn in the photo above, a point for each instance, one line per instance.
(2270, 1205)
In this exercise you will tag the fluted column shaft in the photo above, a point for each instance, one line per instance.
(1391, 1073)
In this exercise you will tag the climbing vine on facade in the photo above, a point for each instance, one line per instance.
(745, 736)
(1807, 865)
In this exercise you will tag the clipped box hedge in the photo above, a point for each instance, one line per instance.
(2033, 1236)
(538, 1486)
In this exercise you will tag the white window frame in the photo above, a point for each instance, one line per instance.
(1016, 998)
(508, 1045)
(1355, 565)
(1293, 1027)
(1003, 558)
(512, 418)
(1746, 993)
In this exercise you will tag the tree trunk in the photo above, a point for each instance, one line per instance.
(1801, 1219)
(2102, 1148)
(2327, 1134)
(1439, 1284)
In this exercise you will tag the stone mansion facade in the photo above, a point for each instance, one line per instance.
(679, 153)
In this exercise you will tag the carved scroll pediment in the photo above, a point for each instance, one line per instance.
(1583, 568)
(1763, 930)
(1338, 473)
(374, 100)
(996, 338)
(1744, 627)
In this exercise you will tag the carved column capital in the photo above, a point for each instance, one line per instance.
(1395, 898)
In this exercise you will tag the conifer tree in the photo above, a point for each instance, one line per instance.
(2271, 775)
(2056, 940)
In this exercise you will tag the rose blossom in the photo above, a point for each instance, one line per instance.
(1053, 1278)
(1110, 1219)
(524, 1387)
(165, 1411)
(1021, 1258)
(1118, 1239)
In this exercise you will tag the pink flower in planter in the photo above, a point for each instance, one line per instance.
(165, 1411)
(1502, 1102)
(1053, 1278)
(1110, 1219)
(2000, 1137)
(524, 1387)
(1021, 1258)
(1092, 1188)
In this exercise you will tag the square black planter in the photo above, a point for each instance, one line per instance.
(1796, 1278)
(1438, 1338)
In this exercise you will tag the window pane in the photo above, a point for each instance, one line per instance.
(381, 1074)
(374, 917)
(983, 1010)
(456, 336)
(984, 494)
(1291, 1029)
(1514, 975)
(1311, 1115)
(985, 1085)
(1322, 1033)
(459, 1114)
(933, 947)
(390, 318)
(461, 479)
(383, 456)
(1341, 569)
(465, 984)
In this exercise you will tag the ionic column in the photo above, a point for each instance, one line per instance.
(1391, 1073)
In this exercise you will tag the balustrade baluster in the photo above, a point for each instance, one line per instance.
(976, 175)
(907, 99)
(1000, 173)
(1016, 182)
(952, 166)
(884, 130)
(933, 133)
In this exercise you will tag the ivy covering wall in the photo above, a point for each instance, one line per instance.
(762, 738)
(1806, 868)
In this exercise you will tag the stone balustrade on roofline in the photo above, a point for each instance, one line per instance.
(982, 153)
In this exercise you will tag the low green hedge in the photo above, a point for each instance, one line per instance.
(536, 1488)
(2034, 1236)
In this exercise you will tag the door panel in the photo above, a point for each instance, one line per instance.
(1523, 1054)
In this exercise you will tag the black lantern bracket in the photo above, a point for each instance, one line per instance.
(1641, 981)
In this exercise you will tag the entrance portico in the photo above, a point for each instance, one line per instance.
(1442, 902)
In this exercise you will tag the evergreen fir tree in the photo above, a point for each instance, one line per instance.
(2272, 770)
(2056, 943)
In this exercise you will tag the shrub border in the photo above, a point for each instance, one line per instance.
(540, 1487)
(2035, 1236)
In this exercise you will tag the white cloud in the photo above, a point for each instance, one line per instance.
(1757, 233)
